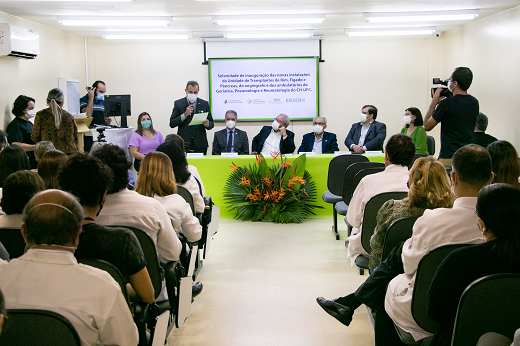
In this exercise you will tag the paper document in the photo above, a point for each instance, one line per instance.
(198, 117)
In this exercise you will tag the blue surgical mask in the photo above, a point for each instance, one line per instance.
(100, 97)
(146, 124)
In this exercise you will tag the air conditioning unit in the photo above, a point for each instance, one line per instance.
(18, 43)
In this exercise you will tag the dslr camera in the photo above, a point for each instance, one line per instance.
(445, 91)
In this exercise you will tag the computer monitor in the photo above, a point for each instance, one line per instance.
(118, 106)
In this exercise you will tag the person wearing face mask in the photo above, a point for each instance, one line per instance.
(20, 129)
(274, 139)
(458, 114)
(230, 139)
(183, 109)
(413, 122)
(144, 140)
(94, 105)
(368, 134)
(318, 140)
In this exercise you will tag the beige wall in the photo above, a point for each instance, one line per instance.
(61, 55)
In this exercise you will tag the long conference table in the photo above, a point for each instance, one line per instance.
(215, 170)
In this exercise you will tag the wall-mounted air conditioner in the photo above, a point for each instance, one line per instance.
(18, 43)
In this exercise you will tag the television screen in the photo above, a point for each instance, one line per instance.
(262, 88)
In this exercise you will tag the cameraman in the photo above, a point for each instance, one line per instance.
(458, 114)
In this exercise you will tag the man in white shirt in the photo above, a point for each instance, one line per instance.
(399, 153)
(275, 139)
(48, 277)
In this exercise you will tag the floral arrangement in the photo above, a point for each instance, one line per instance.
(281, 193)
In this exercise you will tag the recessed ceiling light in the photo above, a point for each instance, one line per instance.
(269, 34)
(114, 21)
(388, 17)
(390, 31)
(146, 37)
(268, 19)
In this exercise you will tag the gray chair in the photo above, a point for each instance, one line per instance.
(369, 223)
(398, 232)
(335, 178)
(430, 143)
(416, 156)
(190, 261)
(489, 304)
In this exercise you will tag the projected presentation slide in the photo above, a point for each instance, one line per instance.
(260, 89)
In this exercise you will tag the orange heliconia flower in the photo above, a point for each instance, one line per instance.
(244, 181)
(259, 159)
(266, 180)
(286, 164)
(234, 167)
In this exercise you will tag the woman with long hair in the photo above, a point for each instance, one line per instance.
(144, 140)
(49, 167)
(498, 210)
(413, 122)
(505, 163)
(12, 159)
(55, 124)
(156, 179)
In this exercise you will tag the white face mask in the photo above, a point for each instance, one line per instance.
(230, 124)
(275, 125)
(407, 119)
(30, 113)
(363, 117)
(317, 129)
(192, 98)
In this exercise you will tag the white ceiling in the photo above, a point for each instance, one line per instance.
(195, 16)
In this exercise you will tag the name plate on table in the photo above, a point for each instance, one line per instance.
(373, 153)
(308, 154)
(228, 155)
(339, 153)
(194, 155)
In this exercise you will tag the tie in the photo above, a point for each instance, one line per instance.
(229, 141)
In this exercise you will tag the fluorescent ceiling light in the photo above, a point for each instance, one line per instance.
(390, 32)
(268, 19)
(114, 21)
(77, 0)
(424, 16)
(146, 37)
(272, 34)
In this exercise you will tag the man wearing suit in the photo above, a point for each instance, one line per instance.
(275, 138)
(368, 134)
(183, 109)
(480, 136)
(231, 139)
(319, 141)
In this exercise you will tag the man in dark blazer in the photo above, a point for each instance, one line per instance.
(230, 139)
(480, 136)
(274, 138)
(194, 136)
(368, 134)
(319, 141)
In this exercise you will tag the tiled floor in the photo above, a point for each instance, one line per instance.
(261, 281)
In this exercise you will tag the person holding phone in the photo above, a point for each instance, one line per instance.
(93, 103)
(274, 139)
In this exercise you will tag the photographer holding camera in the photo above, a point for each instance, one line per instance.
(457, 113)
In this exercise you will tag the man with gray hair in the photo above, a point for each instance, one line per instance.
(319, 141)
(480, 136)
(274, 139)
(48, 277)
(230, 139)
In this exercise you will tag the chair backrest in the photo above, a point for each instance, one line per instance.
(337, 168)
(398, 232)
(489, 304)
(110, 269)
(13, 241)
(369, 215)
(363, 173)
(184, 193)
(416, 156)
(430, 143)
(423, 277)
(38, 327)
(349, 175)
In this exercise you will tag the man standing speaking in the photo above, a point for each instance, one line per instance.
(183, 110)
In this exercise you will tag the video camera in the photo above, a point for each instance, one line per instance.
(445, 91)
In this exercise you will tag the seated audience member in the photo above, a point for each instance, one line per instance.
(495, 339)
(430, 188)
(230, 139)
(480, 136)
(48, 277)
(12, 159)
(41, 148)
(192, 169)
(118, 246)
(157, 180)
(144, 140)
(49, 166)
(498, 207)
(19, 188)
(505, 163)
(471, 170)
(368, 134)
(183, 176)
(128, 208)
(319, 141)
(413, 122)
(274, 139)
(19, 130)
(399, 154)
